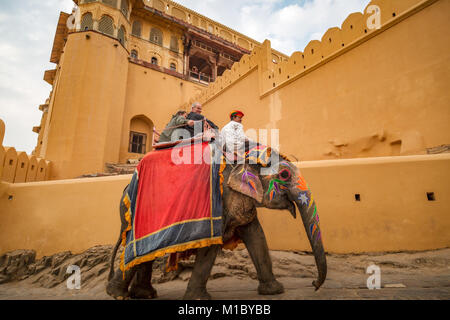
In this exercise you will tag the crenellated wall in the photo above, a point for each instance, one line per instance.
(19, 167)
(56, 216)
(359, 92)
(335, 41)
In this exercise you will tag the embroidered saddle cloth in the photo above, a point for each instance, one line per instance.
(174, 204)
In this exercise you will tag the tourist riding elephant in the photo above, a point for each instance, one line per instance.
(245, 188)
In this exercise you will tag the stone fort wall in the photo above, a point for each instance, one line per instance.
(357, 93)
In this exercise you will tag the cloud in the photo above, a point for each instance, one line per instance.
(28, 28)
(289, 25)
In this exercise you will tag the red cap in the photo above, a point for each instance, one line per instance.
(236, 113)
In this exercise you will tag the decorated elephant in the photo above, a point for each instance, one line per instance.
(245, 189)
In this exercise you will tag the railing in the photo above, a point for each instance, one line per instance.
(203, 46)
(200, 77)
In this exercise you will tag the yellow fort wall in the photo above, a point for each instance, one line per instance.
(97, 91)
(393, 214)
(86, 114)
(357, 93)
(17, 166)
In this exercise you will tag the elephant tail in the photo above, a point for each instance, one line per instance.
(113, 257)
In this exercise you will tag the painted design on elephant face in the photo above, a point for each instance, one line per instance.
(285, 175)
(304, 199)
(314, 227)
(247, 180)
(258, 155)
(275, 186)
(301, 183)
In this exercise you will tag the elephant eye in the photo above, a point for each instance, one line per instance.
(285, 175)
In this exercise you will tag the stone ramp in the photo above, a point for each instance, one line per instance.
(414, 275)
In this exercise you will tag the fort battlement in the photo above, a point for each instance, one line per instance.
(17, 166)
(353, 32)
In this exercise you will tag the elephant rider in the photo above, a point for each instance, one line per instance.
(172, 132)
(196, 115)
(232, 135)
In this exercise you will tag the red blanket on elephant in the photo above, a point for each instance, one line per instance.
(174, 204)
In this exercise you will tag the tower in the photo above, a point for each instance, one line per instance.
(89, 87)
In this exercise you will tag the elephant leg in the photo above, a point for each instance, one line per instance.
(196, 289)
(255, 241)
(141, 286)
(118, 286)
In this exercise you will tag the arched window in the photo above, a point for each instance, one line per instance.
(86, 22)
(156, 36)
(141, 135)
(112, 3)
(106, 25)
(124, 7)
(155, 60)
(137, 27)
(174, 44)
(121, 35)
(134, 54)
(173, 66)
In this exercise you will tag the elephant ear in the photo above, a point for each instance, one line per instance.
(246, 181)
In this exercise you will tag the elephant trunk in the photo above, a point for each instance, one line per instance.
(308, 211)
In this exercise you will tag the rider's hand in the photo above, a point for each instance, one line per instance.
(190, 123)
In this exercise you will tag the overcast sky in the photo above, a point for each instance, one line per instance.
(28, 28)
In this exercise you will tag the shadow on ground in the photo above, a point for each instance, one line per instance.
(404, 275)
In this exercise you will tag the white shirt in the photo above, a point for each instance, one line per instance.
(233, 135)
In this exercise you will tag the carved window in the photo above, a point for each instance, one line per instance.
(173, 66)
(138, 142)
(121, 35)
(156, 36)
(155, 60)
(174, 44)
(134, 54)
(137, 28)
(86, 22)
(106, 25)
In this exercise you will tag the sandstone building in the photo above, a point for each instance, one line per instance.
(125, 66)
(364, 110)
(122, 70)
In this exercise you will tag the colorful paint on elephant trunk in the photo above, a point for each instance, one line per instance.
(275, 186)
(301, 184)
(314, 227)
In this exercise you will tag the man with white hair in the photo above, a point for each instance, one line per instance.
(196, 115)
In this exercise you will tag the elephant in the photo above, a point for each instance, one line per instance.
(244, 190)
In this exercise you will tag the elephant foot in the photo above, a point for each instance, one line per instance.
(270, 288)
(141, 292)
(197, 294)
(117, 291)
